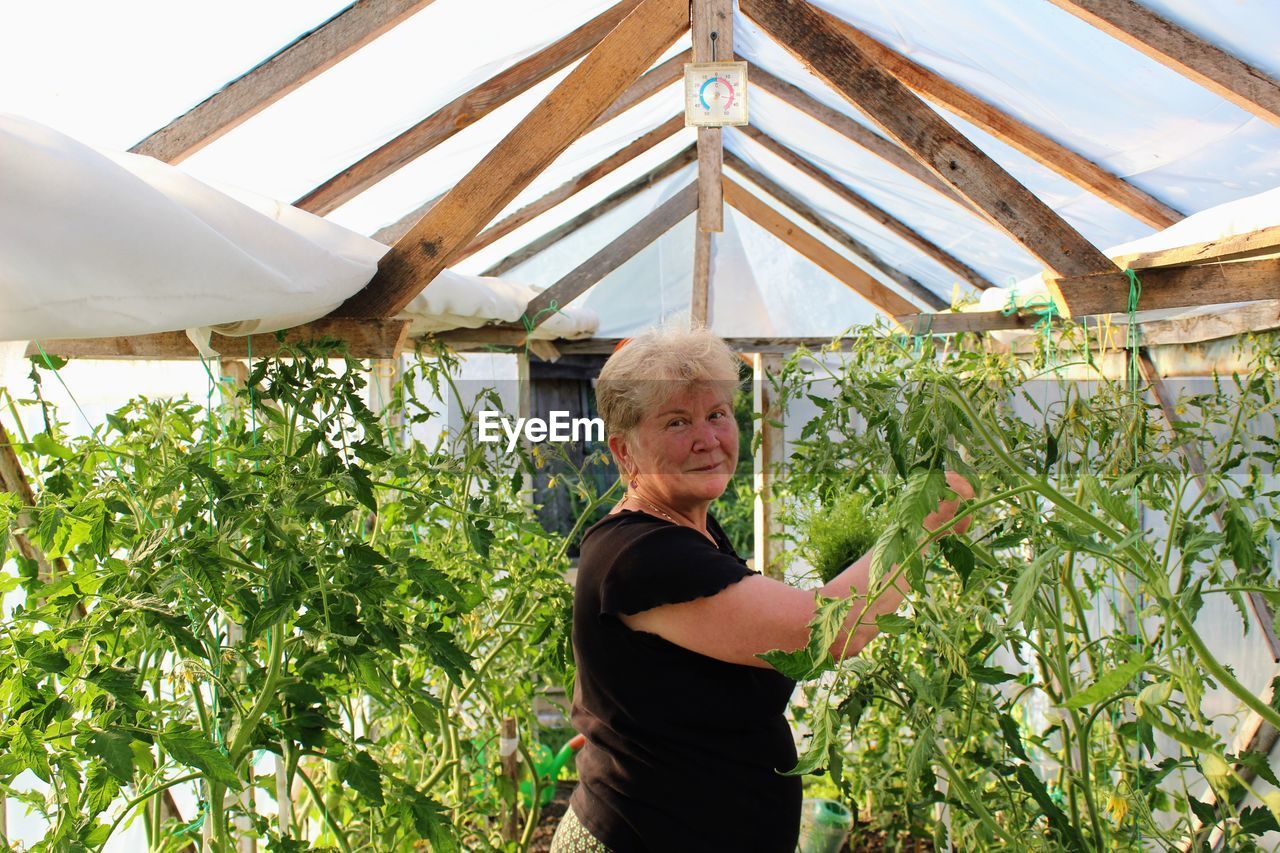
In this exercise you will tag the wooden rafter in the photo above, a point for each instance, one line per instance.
(1243, 319)
(653, 176)
(573, 186)
(1264, 241)
(1186, 53)
(391, 233)
(624, 248)
(871, 209)
(843, 270)
(819, 40)
(462, 111)
(1169, 287)
(857, 248)
(276, 76)
(1017, 134)
(863, 137)
(360, 339)
(621, 57)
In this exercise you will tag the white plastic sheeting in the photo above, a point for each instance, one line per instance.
(96, 244)
(1226, 220)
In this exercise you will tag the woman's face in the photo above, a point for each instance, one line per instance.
(686, 450)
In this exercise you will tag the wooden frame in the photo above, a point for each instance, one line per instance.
(361, 339)
(278, 75)
(648, 179)
(621, 57)
(1160, 39)
(462, 111)
(584, 276)
(1168, 287)
(1017, 134)
(573, 186)
(818, 40)
(857, 248)
(845, 271)
(711, 23)
(870, 209)
(863, 137)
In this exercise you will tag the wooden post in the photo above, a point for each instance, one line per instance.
(768, 461)
(712, 25)
(702, 271)
(511, 770)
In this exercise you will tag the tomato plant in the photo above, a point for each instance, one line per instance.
(277, 599)
(1047, 687)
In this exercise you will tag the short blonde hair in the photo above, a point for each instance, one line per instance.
(654, 366)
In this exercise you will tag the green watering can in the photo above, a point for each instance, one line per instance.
(548, 767)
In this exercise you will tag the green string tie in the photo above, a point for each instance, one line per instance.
(530, 323)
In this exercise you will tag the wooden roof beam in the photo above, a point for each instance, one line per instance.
(621, 57)
(843, 270)
(663, 170)
(712, 29)
(1017, 134)
(583, 277)
(461, 112)
(359, 339)
(1264, 241)
(1160, 39)
(856, 247)
(1168, 287)
(573, 186)
(276, 76)
(886, 219)
(861, 136)
(820, 41)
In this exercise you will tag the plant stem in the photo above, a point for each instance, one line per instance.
(324, 811)
(961, 788)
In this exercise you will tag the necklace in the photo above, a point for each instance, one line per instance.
(651, 505)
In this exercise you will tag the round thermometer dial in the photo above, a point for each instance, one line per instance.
(715, 94)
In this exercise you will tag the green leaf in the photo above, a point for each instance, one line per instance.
(48, 659)
(1257, 820)
(113, 747)
(1012, 737)
(362, 487)
(816, 752)
(102, 788)
(1061, 826)
(1240, 539)
(959, 556)
(444, 651)
(1198, 741)
(364, 775)
(193, 749)
(119, 682)
(1109, 683)
(989, 674)
(1259, 764)
(892, 623)
(815, 657)
(30, 753)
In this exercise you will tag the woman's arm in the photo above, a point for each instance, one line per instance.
(758, 614)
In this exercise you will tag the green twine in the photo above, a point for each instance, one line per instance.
(1044, 308)
(530, 323)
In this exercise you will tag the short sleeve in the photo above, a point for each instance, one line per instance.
(667, 565)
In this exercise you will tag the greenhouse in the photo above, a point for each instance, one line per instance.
(710, 425)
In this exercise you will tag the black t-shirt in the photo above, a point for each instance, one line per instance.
(683, 750)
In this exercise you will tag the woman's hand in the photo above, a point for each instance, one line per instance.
(941, 517)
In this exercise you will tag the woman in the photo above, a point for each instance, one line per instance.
(685, 730)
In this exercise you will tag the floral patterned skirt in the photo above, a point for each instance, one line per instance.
(572, 837)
